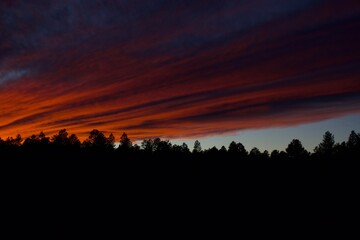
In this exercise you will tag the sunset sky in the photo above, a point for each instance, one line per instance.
(261, 72)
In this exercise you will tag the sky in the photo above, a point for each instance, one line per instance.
(213, 70)
(310, 135)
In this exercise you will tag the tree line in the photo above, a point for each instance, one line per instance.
(156, 172)
(67, 145)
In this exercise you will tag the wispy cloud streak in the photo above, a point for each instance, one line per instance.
(176, 68)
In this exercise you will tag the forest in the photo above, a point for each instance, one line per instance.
(68, 146)
(161, 157)
(91, 179)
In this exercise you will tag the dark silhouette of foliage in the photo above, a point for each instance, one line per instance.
(156, 172)
(37, 141)
(255, 154)
(125, 142)
(223, 150)
(197, 146)
(265, 155)
(327, 145)
(74, 141)
(237, 150)
(66, 144)
(97, 162)
(98, 141)
(15, 142)
(353, 142)
(148, 145)
(295, 150)
(63, 141)
(212, 150)
(125, 147)
(275, 154)
(162, 146)
(183, 148)
(157, 157)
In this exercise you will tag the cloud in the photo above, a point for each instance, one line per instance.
(11, 75)
(171, 69)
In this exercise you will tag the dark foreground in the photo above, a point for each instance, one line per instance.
(64, 189)
(62, 196)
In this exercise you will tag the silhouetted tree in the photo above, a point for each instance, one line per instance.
(353, 141)
(176, 148)
(212, 151)
(183, 148)
(327, 145)
(223, 150)
(125, 146)
(237, 150)
(275, 154)
(265, 155)
(255, 154)
(2, 146)
(353, 145)
(125, 141)
(197, 146)
(110, 141)
(136, 148)
(174, 159)
(295, 150)
(61, 139)
(74, 141)
(14, 142)
(10, 147)
(148, 145)
(340, 149)
(162, 146)
(282, 155)
(98, 141)
(36, 141)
